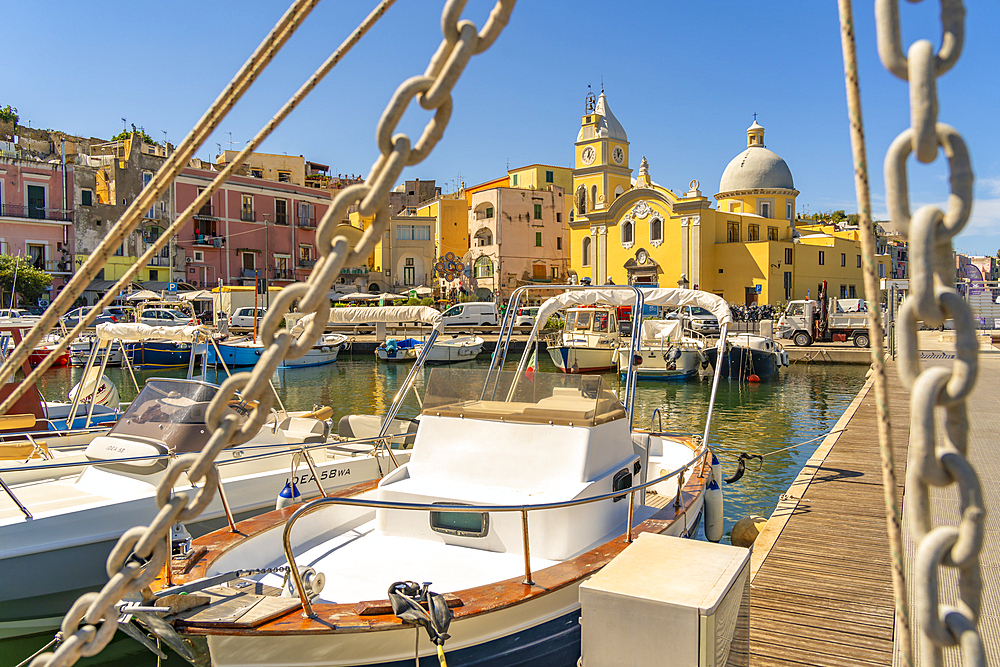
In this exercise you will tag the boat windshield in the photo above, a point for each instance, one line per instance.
(531, 397)
(172, 411)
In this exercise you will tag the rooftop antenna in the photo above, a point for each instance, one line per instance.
(164, 138)
(219, 146)
(124, 125)
(230, 140)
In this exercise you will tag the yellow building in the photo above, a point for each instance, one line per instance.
(270, 167)
(746, 250)
(451, 229)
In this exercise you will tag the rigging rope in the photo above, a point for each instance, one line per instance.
(142, 552)
(162, 179)
(877, 342)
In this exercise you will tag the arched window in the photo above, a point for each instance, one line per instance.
(656, 230)
(581, 200)
(593, 196)
(484, 267)
(618, 191)
(586, 251)
(627, 232)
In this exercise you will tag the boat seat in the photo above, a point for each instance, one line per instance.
(10, 451)
(23, 422)
(304, 429)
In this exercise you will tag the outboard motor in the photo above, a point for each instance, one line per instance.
(100, 390)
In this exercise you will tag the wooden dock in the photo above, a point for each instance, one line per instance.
(821, 590)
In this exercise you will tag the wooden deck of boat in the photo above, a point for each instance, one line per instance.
(821, 589)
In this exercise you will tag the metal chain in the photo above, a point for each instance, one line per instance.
(142, 552)
(932, 300)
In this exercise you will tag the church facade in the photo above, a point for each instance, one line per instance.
(747, 249)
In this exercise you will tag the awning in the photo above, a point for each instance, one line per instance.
(106, 285)
(386, 314)
(137, 332)
(142, 295)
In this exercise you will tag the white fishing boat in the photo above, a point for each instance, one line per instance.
(588, 342)
(664, 352)
(520, 485)
(68, 525)
(455, 348)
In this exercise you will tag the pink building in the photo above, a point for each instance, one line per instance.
(36, 214)
(252, 227)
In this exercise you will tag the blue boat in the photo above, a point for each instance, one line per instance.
(158, 354)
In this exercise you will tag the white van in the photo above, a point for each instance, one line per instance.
(471, 314)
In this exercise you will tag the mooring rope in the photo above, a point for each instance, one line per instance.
(892, 513)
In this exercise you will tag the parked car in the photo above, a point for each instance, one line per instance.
(696, 319)
(471, 314)
(165, 317)
(526, 317)
(71, 318)
(243, 317)
(17, 315)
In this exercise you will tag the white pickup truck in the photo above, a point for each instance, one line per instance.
(846, 320)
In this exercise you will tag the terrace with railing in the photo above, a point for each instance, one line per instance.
(36, 212)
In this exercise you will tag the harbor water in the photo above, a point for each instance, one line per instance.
(800, 406)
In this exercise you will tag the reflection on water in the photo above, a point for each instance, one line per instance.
(803, 403)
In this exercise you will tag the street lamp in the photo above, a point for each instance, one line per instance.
(267, 260)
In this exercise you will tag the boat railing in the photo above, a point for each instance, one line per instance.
(307, 609)
(51, 465)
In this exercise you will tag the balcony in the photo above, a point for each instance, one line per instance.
(205, 211)
(307, 223)
(282, 274)
(159, 261)
(209, 241)
(36, 212)
(252, 273)
(247, 215)
(307, 263)
(63, 266)
(280, 219)
(355, 271)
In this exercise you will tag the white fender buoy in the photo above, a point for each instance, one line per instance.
(713, 503)
(289, 496)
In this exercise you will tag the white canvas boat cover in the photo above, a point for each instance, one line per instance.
(128, 331)
(660, 296)
(665, 329)
(386, 314)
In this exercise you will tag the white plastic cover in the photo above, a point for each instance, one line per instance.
(128, 331)
(386, 314)
(665, 329)
(660, 296)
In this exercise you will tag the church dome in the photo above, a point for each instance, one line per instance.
(756, 168)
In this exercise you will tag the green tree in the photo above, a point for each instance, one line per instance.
(31, 282)
(837, 216)
(123, 135)
(8, 114)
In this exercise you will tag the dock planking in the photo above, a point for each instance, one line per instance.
(821, 593)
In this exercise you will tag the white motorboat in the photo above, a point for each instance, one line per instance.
(588, 341)
(664, 352)
(520, 485)
(455, 348)
(68, 525)
(399, 349)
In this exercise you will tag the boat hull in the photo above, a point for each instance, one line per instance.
(455, 349)
(655, 366)
(581, 359)
(158, 354)
(76, 544)
(738, 363)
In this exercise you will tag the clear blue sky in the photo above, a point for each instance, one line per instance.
(683, 78)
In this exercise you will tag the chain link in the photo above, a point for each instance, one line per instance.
(933, 460)
(142, 552)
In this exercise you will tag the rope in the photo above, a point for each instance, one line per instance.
(55, 640)
(892, 514)
(142, 551)
(162, 180)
